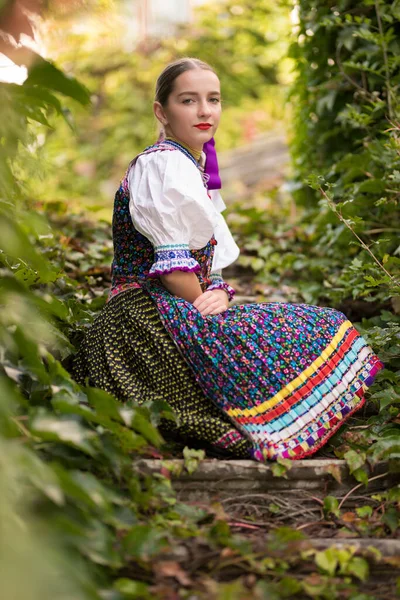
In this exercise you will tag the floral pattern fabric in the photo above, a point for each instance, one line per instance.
(287, 375)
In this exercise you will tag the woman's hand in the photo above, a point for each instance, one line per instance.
(212, 302)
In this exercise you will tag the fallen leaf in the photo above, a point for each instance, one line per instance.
(334, 470)
(228, 552)
(170, 568)
(349, 517)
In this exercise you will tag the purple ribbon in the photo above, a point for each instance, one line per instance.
(211, 166)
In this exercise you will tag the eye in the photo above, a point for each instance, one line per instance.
(187, 101)
(215, 100)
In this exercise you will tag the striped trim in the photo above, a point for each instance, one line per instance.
(322, 405)
(300, 379)
(346, 353)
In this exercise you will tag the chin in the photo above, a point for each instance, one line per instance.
(205, 136)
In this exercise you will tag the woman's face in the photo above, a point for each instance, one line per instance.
(193, 110)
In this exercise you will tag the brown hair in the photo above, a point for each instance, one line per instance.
(165, 81)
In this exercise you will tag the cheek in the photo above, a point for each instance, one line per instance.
(217, 112)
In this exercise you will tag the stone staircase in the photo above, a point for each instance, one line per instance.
(255, 500)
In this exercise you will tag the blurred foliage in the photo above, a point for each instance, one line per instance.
(346, 146)
(246, 44)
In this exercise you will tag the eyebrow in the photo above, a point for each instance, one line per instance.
(196, 93)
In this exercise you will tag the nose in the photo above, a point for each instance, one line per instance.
(204, 109)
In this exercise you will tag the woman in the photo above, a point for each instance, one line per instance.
(259, 380)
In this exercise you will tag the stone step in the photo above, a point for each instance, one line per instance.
(219, 480)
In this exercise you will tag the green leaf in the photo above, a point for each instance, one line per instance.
(331, 506)
(354, 459)
(327, 560)
(39, 94)
(144, 542)
(391, 518)
(72, 488)
(289, 587)
(387, 396)
(141, 424)
(42, 477)
(358, 567)
(133, 590)
(159, 409)
(274, 508)
(16, 244)
(44, 73)
(364, 511)
(61, 429)
(31, 355)
(361, 475)
(385, 448)
(192, 459)
(104, 403)
(97, 542)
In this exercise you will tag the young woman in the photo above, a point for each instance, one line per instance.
(258, 380)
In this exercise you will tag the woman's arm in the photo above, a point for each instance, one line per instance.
(186, 285)
(182, 284)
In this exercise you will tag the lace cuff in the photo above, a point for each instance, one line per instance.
(174, 257)
(217, 283)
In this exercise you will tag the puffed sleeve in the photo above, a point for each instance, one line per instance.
(226, 251)
(169, 205)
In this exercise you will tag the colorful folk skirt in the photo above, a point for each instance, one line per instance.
(259, 380)
(287, 375)
(129, 354)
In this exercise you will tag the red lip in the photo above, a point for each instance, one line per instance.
(203, 126)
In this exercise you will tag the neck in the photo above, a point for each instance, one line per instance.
(195, 153)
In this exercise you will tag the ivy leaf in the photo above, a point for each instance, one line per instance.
(373, 186)
(97, 542)
(159, 409)
(141, 424)
(44, 73)
(361, 476)
(364, 511)
(281, 467)
(387, 396)
(43, 477)
(144, 541)
(385, 448)
(354, 460)
(104, 403)
(391, 518)
(61, 429)
(289, 587)
(358, 567)
(132, 590)
(192, 459)
(331, 506)
(327, 560)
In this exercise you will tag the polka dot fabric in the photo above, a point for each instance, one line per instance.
(128, 353)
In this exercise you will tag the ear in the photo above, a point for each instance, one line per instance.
(160, 114)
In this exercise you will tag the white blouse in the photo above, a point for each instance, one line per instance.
(170, 206)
